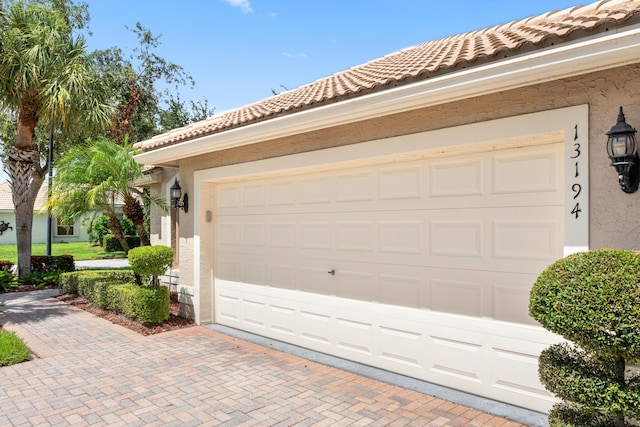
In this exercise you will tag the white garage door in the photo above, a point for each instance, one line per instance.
(422, 267)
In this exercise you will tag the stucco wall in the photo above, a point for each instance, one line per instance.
(603, 91)
(39, 230)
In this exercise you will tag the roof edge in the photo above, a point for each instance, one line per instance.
(602, 51)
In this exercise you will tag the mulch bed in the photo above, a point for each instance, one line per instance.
(173, 323)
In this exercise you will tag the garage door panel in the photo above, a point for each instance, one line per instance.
(422, 267)
(456, 178)
(401, 183)
(531, 177)
(511, 298)
(459, 238)
(403, 290)
(457, 296)
(355, 188)
(518, 173)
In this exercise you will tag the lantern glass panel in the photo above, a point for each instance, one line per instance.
(618, 145)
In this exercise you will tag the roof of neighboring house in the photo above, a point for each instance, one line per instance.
(6, 199)
(419, 63)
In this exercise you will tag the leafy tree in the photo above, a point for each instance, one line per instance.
(143, 110)
(592, 299)
(45, 78)
(178, 113)
(93, 179)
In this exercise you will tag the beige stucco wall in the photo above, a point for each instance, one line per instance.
(613, 222)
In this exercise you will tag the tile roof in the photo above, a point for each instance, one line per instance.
(419, 62)
(6, 200)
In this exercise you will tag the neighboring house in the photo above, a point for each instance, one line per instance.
(398, 213)
(76, 232)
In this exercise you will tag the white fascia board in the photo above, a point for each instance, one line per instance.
(614, 49)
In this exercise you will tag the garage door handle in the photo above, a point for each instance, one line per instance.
(332, 272)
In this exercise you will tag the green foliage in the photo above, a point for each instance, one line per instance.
(593, 299)
(12, 349)
(41, 279)
(6, 265)
(578, 377)
(80, 282)
(566, 415)
(114, 290)
(111, 244)
(147, 304)
(151, 261)
(43, 263)
(8, 281)
(99, 227)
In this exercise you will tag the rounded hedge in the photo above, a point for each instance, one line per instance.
(588, 383)
(150, 260)
(593, 299)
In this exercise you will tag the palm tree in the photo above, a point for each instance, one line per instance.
(91, 179)
(45, 77)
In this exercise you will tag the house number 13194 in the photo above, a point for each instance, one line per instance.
(576, 188)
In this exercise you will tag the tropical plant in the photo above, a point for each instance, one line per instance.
(93, 179)
(45, 78)
(142, 110)
(99, 227)
(151, 261)
(592, 299)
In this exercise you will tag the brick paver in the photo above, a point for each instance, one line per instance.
(88, 371)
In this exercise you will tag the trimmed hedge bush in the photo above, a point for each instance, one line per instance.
(593, 299)
(47, 264)
(148, 304)
(111, 244)
(151, 261)
(114, 290)
(80, 282)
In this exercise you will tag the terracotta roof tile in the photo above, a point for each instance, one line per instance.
(418, 62)
(6, 198)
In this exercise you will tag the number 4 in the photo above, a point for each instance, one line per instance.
(576, 210)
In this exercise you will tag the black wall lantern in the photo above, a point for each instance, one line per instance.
(622, 148)
(176, 194)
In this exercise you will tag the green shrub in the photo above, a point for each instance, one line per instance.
(7, 281)
(43, 263)
(12, 349)
(100, 294)
(6, 265)
(111, 244)
(147, 304)
(99, 227)
(73, 283)
(40, 279)
(114, 290)
(151, 261)
(593, 299)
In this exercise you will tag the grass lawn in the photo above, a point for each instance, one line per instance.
(79, 250)
(12, 349)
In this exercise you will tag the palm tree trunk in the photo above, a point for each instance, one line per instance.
(118, 233)
(135, 212)
(25, 184)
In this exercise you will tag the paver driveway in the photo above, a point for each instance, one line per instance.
(91, 372)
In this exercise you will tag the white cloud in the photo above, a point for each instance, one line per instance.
(244, 5)
(294, 55)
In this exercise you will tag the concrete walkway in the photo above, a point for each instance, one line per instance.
(88, 371)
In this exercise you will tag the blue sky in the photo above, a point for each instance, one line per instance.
(239, 50)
